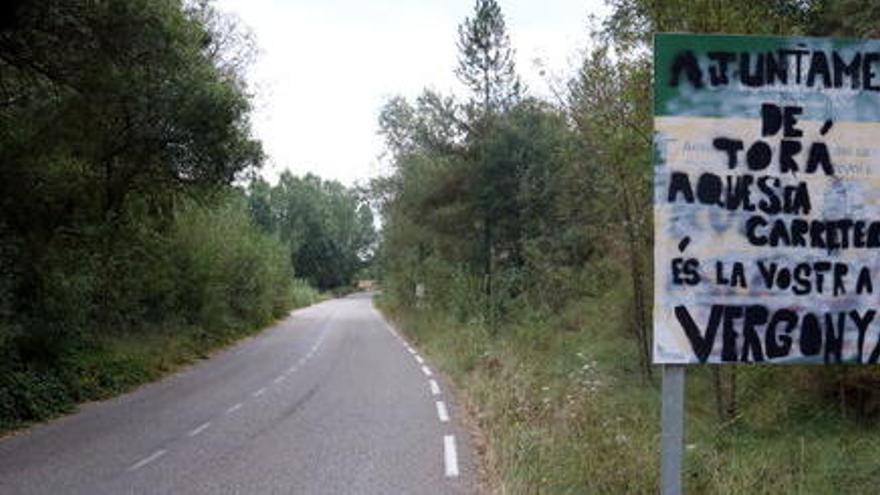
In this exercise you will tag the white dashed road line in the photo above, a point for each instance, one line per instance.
(450, 456)
(442, 413)
(198, 429)
(143, 462)
(204, 426)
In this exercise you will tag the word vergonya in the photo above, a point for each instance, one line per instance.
(754, 333)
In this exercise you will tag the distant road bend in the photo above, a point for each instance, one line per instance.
(329, 401)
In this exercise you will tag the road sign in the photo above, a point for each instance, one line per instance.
(766, 200)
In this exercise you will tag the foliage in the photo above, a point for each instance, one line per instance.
(633, 22)
(496, 199)
(516, 249)
(486, 59)
(226, 272)
(124, 248)
(560, 398)
(327, 228)
(211, 276)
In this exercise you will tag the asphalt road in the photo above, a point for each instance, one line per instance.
(329, 401)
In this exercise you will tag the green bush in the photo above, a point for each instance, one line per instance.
(120, 310)
(302, 294)
(125, 248)
(230, 273)
(29, 395)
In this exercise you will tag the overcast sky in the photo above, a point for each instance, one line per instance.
(325, 68)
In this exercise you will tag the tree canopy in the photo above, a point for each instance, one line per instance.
(124, 128)
(327, 227)
(485, 61)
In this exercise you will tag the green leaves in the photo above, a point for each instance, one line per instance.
(485, 62)
(123, 124)
(124, 87)
(495, 207)
(227, 271)
(327, 228)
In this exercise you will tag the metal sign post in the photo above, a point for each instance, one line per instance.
(672, 434)
(762, 175)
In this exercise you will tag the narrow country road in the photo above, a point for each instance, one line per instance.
(328, 401)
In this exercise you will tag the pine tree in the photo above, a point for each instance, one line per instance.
(485, 61)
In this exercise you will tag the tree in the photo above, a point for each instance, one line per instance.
(486, 65)
(259, 194)
(849, 18)
(485, 61)
(110, 111)
(609, 103)
(326, 227)
(123, 124)
(610, 96)
(633, 22)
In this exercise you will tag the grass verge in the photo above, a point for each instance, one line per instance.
(566, 411)
(103, 366)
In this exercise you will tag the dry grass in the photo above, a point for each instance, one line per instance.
(565, 411)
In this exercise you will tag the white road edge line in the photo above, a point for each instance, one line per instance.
(435, 389)
(419, 359)
(279, 379)
(426, 371)
(234, 408)
(143, 462)
(450, 456)
(198, 429)
(260, 392)
(442, 413)
(411, 350)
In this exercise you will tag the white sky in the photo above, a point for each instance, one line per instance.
(325, 68)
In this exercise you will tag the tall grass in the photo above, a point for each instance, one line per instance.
(566, 410)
